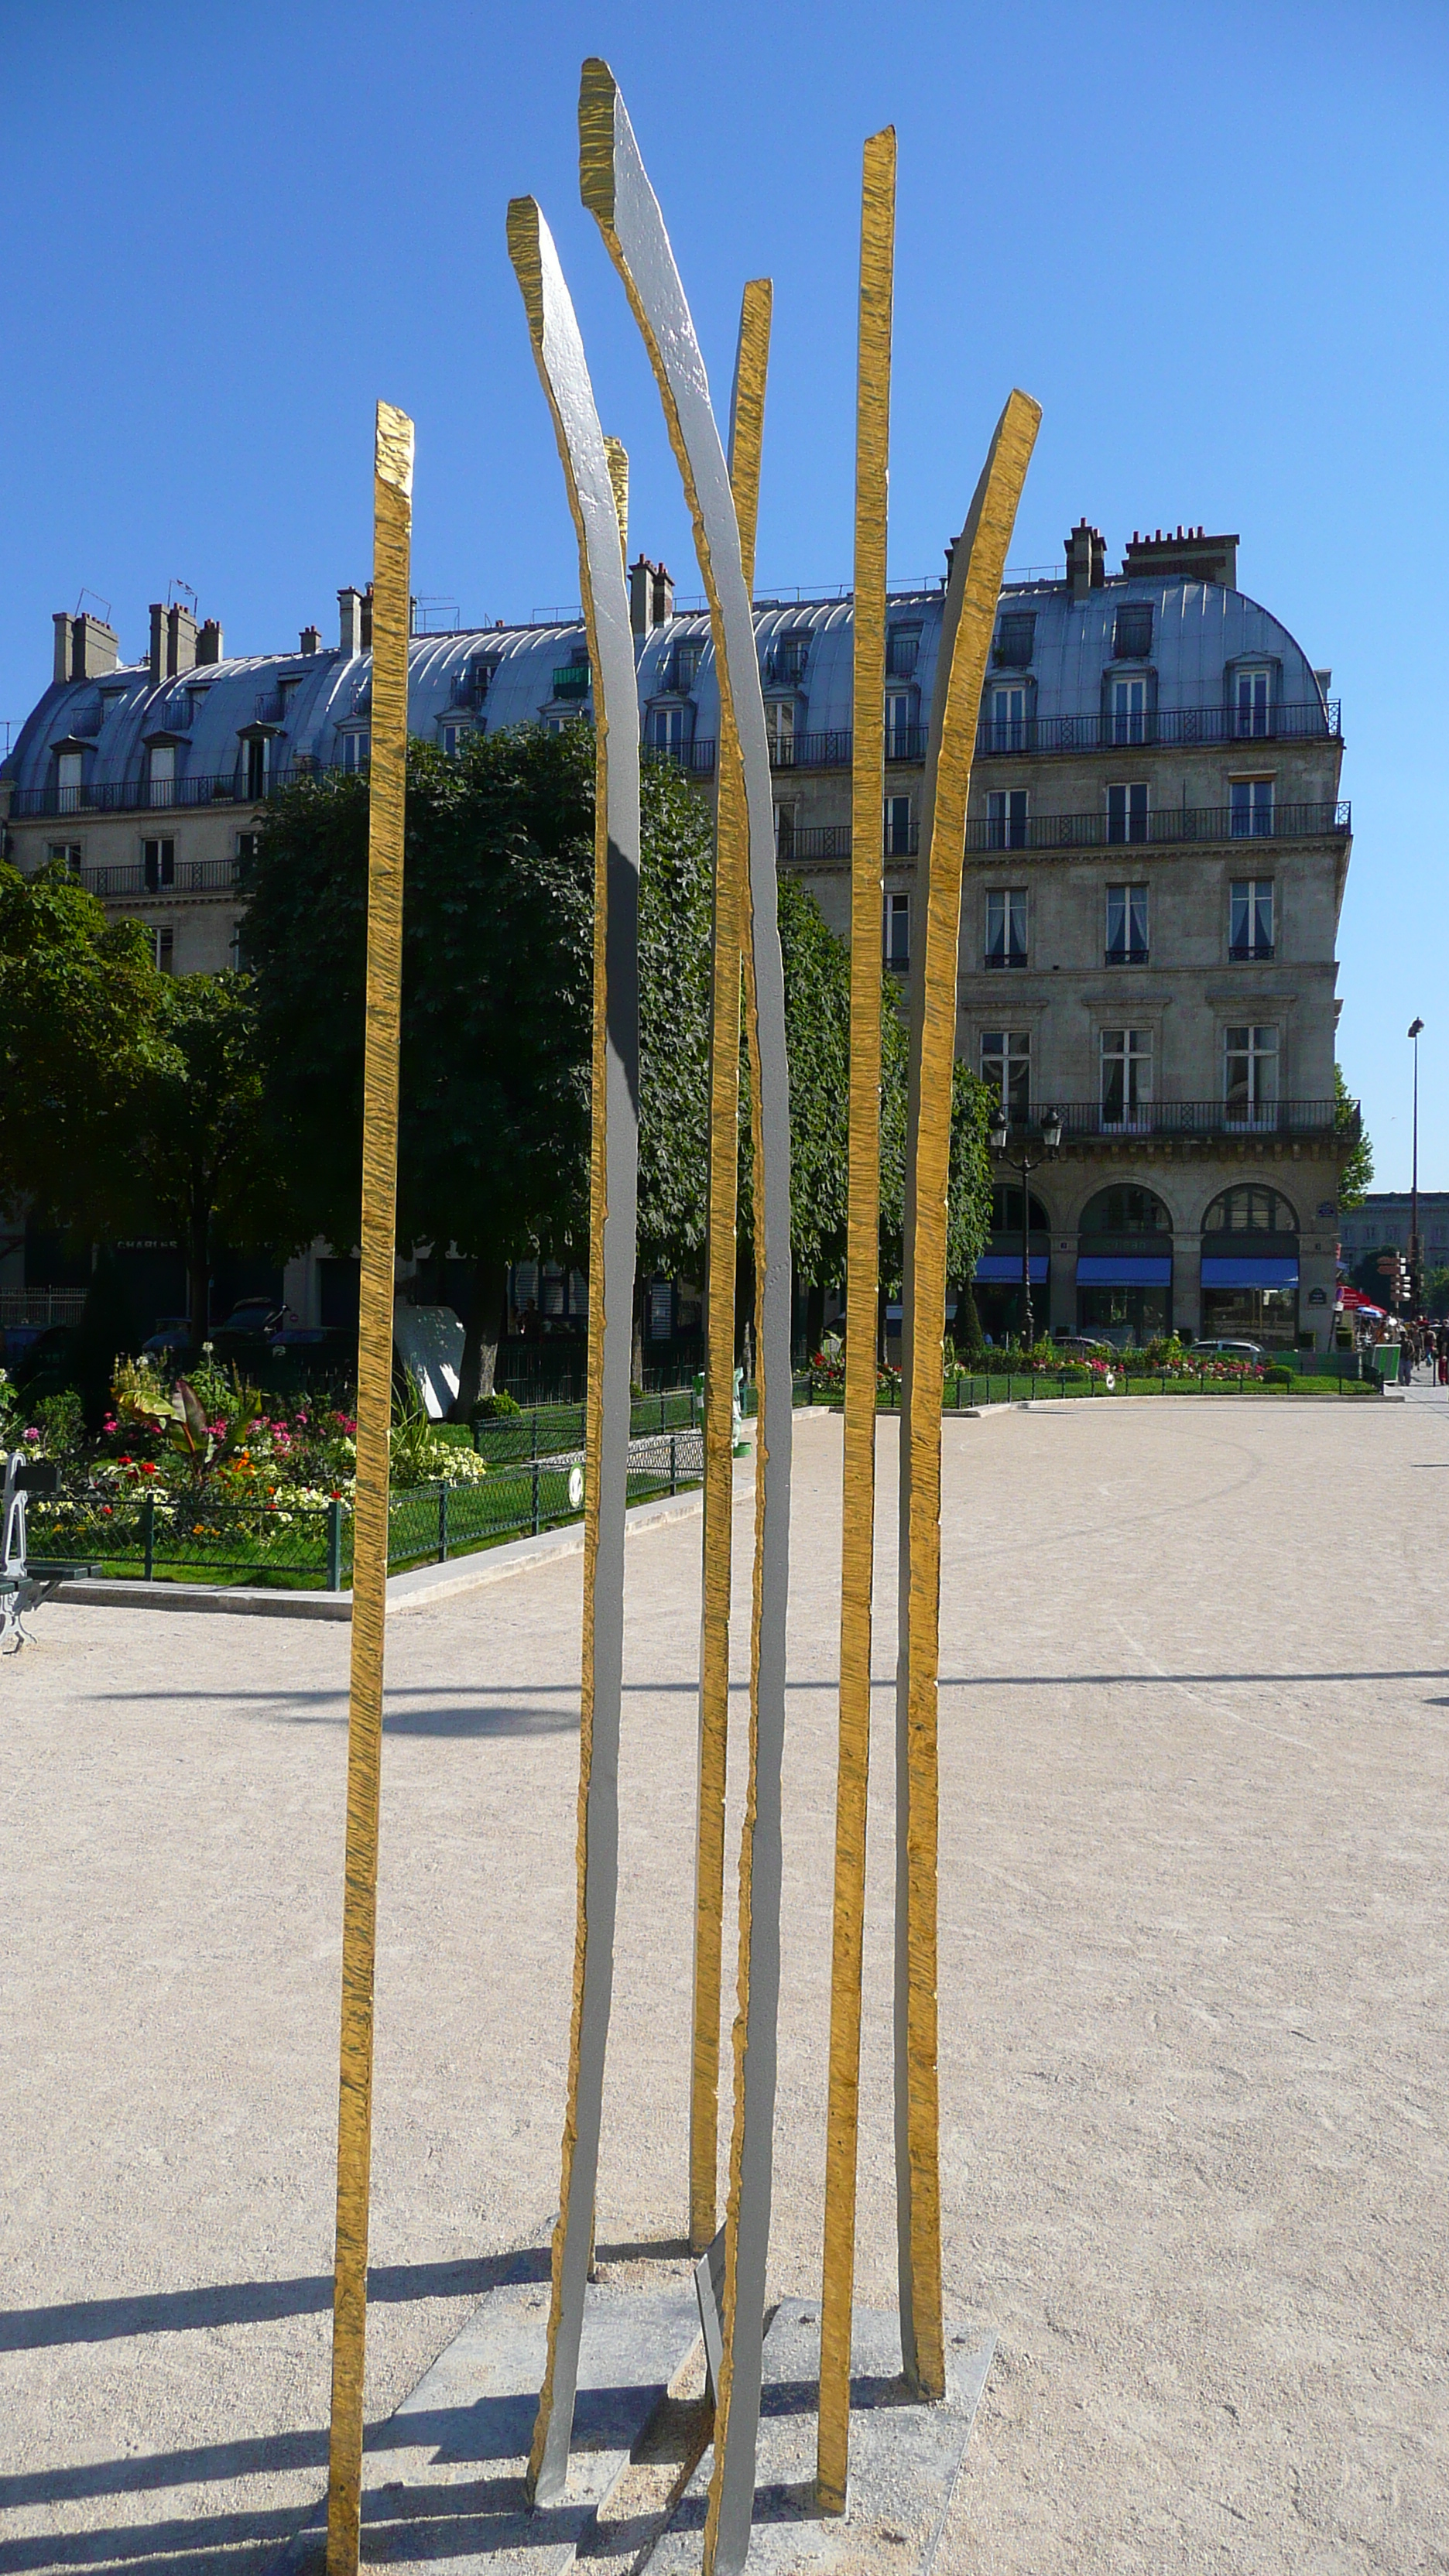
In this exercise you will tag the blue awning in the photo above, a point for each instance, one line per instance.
(1004, 1269)
(1243, 1270)
(1124, 1269)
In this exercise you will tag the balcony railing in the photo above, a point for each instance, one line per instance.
(1101, 831)
(814, 841)
(1199, 1118)
(1123, 956)
(192, 876)
(139, 796)
(1158, 727)
(697, 757)
(996, 957)
(810, 751)
(1243, 953)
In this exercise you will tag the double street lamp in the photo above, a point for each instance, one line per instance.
(1050, 1131)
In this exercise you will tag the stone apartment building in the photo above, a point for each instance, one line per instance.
(1155, 865)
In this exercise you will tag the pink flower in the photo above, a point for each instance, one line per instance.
(32, 1435)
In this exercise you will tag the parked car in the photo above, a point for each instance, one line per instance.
(172, 1334)
(1080, 1346)
(256, 1317)
(1253, 1352)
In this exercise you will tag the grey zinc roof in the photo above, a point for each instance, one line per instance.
(1199, 629)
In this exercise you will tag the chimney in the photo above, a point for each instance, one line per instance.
(651, 595)
(1189, 555)
(208, 642)
(1086, 560)
(349, 618)
(180, 642)
(365, 620)
(310, 640)
(158, 643)
(85, 648)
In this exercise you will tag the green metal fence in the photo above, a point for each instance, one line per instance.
(197, 1541)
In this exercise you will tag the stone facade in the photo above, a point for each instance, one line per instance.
(1155, 866)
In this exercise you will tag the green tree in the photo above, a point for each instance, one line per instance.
(202, 1161)
(1358, 1170)
(496, 1008)
(80, 1034)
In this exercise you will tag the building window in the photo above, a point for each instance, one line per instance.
(780, 732)
(903, 643)
(1129, 710)
(356, 750)
(898, 827)
(1132, 632)
(1006, 926)
(671, 731)
(66, 854)
(1006, 818)
(1016, 639)
(784, 831)
(1126, 1076)
(248, 848)
(1006, 1066)
(896, 932)
(900, 726)
(683, 664)
(68, 767)
(451, 738)
(1250, 702)
(163, 945)
(257, 751)
(785, 661)
(234, 949)
(1008, 717)
(1252, 809)
(1250, 1210)
(1250, 1075)
(1126, 925)
(1250, 919)
(158, 864)
(1127, 811)
(163, 773)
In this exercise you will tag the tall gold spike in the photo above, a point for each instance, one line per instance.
(618, 456)
(872, 455)
(977, 564)
(392, 523)
(747, 421)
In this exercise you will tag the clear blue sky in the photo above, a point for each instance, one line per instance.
(1210, 239)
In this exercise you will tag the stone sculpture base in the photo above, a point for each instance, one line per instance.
(443, 2478)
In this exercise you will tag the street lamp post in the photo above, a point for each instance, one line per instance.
(1025, 1164)
(1416, 1267)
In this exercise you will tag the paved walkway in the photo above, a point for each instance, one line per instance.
(1196, 1674)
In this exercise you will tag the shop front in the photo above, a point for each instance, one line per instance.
(1124, 1266)
(1250, 1268)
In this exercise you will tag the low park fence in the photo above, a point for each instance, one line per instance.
(190, 1539)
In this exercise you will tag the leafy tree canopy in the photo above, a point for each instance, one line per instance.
(1358, 1171)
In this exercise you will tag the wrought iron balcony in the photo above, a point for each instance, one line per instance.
(697, 757)
(1088, 1118)
(1158, 727)
(1122, 955)
(1100, 831)
(810, 750)
(1005, 957)
(1243, 953)
(813, 840)
(193, 876)
(139, 796)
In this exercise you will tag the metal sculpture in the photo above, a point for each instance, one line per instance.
(747, 423)
(978, 561)
(392, 526)
(594, 480)
(857, 1544)
(617, 193)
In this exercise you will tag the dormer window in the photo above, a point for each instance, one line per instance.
(903, 645)
(683, 664)
(902, 733)
(1132, 632)
(1008, 716)
(1129, 709)
(780, 731)
(785, 663)
(68, 768)
(163, 773)
(1251, 694)
(356, 748)
(1015, 639)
